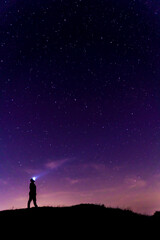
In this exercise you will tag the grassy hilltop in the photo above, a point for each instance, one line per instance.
(79, 220)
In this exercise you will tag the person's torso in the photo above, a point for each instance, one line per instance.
(32, 188)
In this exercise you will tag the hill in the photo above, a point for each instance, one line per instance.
(77, 221)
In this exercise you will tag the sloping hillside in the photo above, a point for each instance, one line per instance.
(76, 221)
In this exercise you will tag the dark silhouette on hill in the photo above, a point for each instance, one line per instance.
(84, 220)
(32, 193)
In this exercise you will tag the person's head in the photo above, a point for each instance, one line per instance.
(31, 180)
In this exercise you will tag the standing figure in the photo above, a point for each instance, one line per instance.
(32, 193)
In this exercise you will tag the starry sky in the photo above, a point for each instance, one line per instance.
(80, 103)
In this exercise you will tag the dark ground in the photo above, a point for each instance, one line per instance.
(85, 221)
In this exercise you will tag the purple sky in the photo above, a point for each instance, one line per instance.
(79, 103)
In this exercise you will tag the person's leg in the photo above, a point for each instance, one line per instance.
(29, 201)
(35, 201)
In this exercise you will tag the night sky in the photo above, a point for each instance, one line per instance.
(80, 103)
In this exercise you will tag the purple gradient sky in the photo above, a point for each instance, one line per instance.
(79, 103)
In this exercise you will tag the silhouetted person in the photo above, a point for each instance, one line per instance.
(32, 193)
